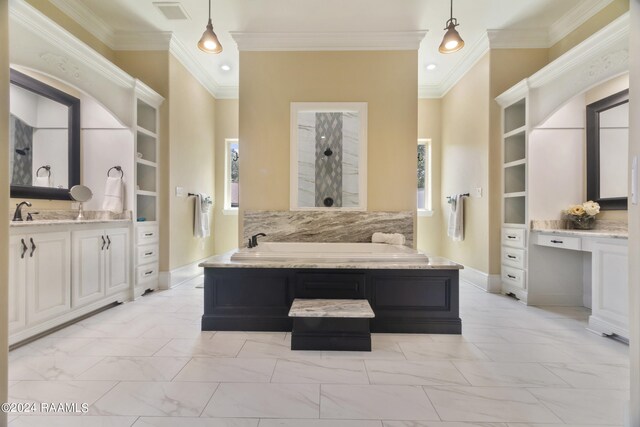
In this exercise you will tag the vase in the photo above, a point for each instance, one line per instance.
(582, 222)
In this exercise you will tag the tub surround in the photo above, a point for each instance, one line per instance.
(331, 308)
(432, 263)
(603, 229)
(326, 226)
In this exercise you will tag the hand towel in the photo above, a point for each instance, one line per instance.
(456, 219)
(201, 226)
(113, 195)
(42, 181)
(388, 238)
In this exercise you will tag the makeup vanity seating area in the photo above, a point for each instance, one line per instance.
(575, 105)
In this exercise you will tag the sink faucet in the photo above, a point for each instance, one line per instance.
(253, 241)
(17, 216)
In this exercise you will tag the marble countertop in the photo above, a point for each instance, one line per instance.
(340, 308)
(434, 263)
(603, 229)
(52, 222)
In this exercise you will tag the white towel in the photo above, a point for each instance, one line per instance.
(113, 195)
(201, 226)
(42, 181)
(456, 219)
(388, 238)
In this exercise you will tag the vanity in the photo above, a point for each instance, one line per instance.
(61, 269)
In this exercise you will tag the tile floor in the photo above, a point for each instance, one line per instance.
(146, 363)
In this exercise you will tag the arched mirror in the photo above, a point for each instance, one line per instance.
(44, 140)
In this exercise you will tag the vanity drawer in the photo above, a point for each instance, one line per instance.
(557, 241)
(147, 254)
(147, 234)
(147, 273)
(513, 257)
(514, 277)
(515, 237)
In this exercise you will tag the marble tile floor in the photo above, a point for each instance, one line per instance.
(146, 363)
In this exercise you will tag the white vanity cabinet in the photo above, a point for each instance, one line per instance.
(100, 264)
(40, 277)
(58, 273)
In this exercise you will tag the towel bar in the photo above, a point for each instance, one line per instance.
(450, 199)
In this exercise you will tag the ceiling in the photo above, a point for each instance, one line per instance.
(127, 24)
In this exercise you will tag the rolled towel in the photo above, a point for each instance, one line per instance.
(388, 238)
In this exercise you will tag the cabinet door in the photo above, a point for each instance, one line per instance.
(117, 257)
(610, 303)
(89, 248)
(17, 282)
(48, 275)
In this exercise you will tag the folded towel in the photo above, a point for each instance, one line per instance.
(456, 219)
(201, 226)
(388, 238)
(113, 195)
(42, 181)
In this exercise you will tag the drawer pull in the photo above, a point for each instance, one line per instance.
(148, 234)
(557, 241)
(148, 253)
(109, 243)
(104, 242)
(24, 249)
(33, 247)
(511, 276)
(512, 257)
(148, 273)
(512, 237)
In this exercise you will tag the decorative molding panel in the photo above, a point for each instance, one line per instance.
(79, 12)
(390, 40)
(577, 16)
(64, 64)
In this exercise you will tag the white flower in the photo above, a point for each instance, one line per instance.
(591, 208)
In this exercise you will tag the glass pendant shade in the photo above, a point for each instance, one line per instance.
(209, 42)
(451, 42)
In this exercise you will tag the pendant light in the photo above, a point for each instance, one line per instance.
(451, 42)
(209, 42)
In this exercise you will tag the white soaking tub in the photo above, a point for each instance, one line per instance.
(329, 252)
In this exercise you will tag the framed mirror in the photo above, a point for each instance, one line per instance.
(328, 156)
(44, 140)
(607, 151)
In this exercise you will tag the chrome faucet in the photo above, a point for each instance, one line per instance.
(17, 216)
(253, 241)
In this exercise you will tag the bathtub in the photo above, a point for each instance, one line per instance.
(329, 252)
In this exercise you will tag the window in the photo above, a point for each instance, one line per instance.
(231, 176)
(424, 177)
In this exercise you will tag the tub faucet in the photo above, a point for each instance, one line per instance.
(253, 241)
(17, 216)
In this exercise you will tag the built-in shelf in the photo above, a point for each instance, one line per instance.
(146, 193)
(515, 178)
(518, 194)
(515, 147)
(146, 132)
(515, 163)
(514, 132)
(147, 163)
(515, 210)
(515, 116)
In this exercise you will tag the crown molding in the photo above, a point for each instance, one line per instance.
(476, 52)
(577, 16)
(198, 71)
(518, 39)
(392, 40)
(79, 12)
(228, 92)
(430, 91)
(142, 40)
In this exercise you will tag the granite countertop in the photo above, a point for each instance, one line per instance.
(603, 229)
(339, 308)
(51, 222)
(434, 263)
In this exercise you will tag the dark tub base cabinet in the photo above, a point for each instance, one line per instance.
(333, 334)
(404, 301)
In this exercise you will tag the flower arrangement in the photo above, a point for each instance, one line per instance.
(583, 216)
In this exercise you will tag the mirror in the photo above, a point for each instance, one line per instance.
(328, 156)
(607, 151)
(80, 193)
(44, 139)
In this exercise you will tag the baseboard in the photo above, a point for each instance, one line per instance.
(169, 279)
(487, 282)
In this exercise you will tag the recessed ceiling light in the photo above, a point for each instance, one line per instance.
(431, 67)
(225, 67)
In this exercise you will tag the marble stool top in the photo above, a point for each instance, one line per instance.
(354, 308)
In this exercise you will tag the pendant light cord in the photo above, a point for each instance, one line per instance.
(210, 9)
(450, 3)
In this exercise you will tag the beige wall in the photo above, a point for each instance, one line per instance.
(508, 67)
(192, 145)
(270, 81)
(4, 201)
(592, 25)
(429, 229)
(57, 16)
(225, 226)
(465, 160)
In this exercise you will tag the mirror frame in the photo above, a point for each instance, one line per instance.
(328, 107)
(593, 150)
(29, 83)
